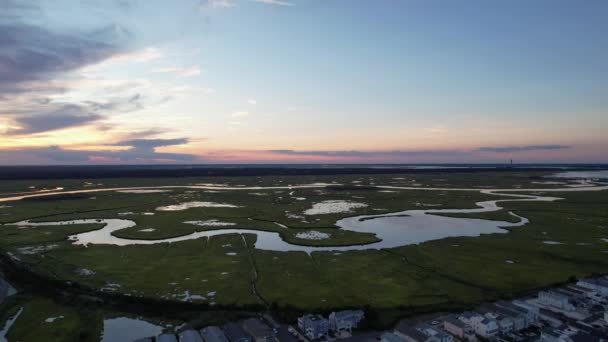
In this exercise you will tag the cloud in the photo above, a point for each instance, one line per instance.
(52, 80)
(205, 4)
(414, 153)
(149, 144)
(252, 101)
(137, 56)
(140, 151)
(144, 134)
(507, 149)
(275, 2)
(48, 116)
(180, 71)
(123, 105)
(68, 115)
(30, 54)
(37, 68)
(364, 154)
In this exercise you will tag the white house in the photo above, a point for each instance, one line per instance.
(345, 320)
(436, 333)
(313, 326)
(459, 329)
(532, 312)
(505, 323)
(484, 327)
(598, 285)
(556, 300)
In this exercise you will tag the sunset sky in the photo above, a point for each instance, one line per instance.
(303, 81)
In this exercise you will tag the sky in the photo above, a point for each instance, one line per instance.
(303, 81)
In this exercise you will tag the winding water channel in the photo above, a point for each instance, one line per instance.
(393, 229)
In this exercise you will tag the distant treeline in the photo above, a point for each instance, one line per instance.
(152, 171)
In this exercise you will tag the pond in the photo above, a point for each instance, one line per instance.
(128, 329)
(394, 230)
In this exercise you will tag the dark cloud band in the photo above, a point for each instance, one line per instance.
(507, 149)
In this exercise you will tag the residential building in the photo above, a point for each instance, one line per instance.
(235, 333)
(166, 338)
(555, 300)
(258, 330)
(434, 332)
(486, 328)
(313, 326)
(599, 285)
(518, 318)
(522, 317)
(410, 334)
(550, 317)
(550, 335)
(483, 326)
(505, 323)
(345, 320)
(467, 317)
(213, 334)
(586, 291)
(458, 328)
(391, 337)
(190, 336)
(532, 311)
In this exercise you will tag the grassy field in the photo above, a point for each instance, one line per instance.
(77, 323)
(464, 179)
(222, 270)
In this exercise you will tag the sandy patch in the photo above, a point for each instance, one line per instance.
(110, 287)
(188, 205)
(85, 272)
(312, 235)
(211, 223)
(53, 319)
(127, 213)
(333, 207)
(142, 191)
(187, 297)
